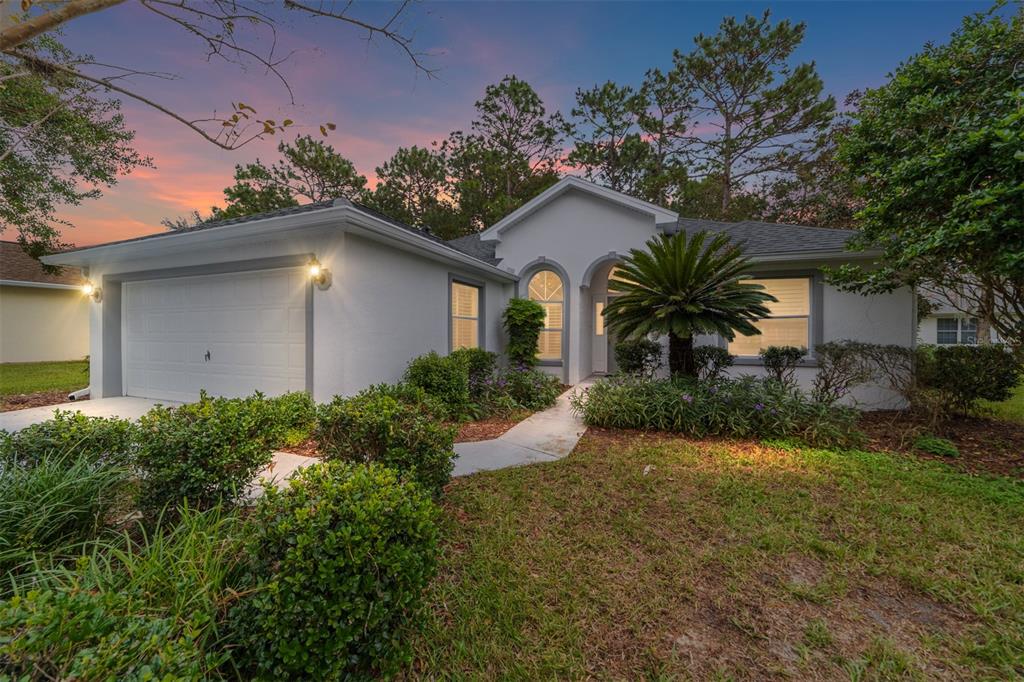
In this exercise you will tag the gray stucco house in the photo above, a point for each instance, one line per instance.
(231, 307)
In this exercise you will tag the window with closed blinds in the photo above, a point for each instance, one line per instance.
(546, 288)
(465, 316)
(790, 321)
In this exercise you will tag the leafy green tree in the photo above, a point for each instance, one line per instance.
(682, 288)
(702, 198)
(938, 157)
(61, 143)
(412, 186)
(510, 156)
(766, 117)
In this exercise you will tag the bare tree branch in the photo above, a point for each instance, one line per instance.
(21, 32)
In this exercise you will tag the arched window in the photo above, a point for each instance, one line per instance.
(546, 288)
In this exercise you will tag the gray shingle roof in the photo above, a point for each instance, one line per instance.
(475, 251)
(473, 245)
(764, 239)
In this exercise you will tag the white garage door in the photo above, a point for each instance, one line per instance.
(229, 334)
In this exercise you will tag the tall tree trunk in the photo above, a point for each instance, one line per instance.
(727, 168)
(680, 356)
(985, 312)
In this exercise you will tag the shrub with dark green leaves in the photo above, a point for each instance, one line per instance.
(965, 375)
(780, 362)
(294, 416)
(711, 362)
(341, 558)
(747, 407)
(524, 321)
(58, 502)
(205, 452)
(639, 357)
(444, 378)
(934, 445)
(105, 439)
(480, 365)
(378, 426)
(151, 608)
(528, 388)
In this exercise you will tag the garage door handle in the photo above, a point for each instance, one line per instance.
(207, 356)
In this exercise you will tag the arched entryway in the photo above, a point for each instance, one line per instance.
(602, 337)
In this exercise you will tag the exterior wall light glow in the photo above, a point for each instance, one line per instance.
(319, 275)
(92, 291)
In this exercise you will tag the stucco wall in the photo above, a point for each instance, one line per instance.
(575, 230)
(38, 324)
(387, 307)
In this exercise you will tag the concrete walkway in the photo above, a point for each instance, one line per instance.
(543, 437)
(124, 407)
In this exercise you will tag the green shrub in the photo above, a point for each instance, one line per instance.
(528, 388)
(639, 357)
(964, 375)
(378, 426)
(444, 378)
(131, 610)
(746, 407)
(933, 445)
(780, 362)
(524, 321)
(98, 438)
(480, 365)
(205, 452)
(711, 362)
(57, 503)
(841, 366)
(294, 416)
(342, 557)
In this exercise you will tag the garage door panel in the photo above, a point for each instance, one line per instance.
(253, 325)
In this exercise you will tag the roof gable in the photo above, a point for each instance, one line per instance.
(659, 214)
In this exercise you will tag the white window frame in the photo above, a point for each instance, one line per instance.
(561, 330)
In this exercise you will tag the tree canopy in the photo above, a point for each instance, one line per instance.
(937, 155)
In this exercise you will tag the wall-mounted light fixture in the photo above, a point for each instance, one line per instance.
(92, 291)
(319, 275)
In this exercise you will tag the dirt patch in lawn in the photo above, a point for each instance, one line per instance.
(987, 446)
(9, 403)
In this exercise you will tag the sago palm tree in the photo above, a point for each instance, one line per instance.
(681, 288)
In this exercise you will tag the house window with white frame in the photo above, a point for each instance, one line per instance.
(465, 311)
(789, 321)
(546, 288)
(951, 331)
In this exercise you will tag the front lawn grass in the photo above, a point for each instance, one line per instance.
(1011, 409)
(35, 377)
(661, 558)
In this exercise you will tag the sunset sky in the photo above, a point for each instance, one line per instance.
(379, 102)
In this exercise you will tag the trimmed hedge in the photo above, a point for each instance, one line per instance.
(639, 357)
(341, 558)
(382, 424)
(205, 452)
(480, 365)
(524, 321)
(444, 378)
(100, 439)
(746, 408)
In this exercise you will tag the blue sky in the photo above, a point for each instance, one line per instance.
(379, 101)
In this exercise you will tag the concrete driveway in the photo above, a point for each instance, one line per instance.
(123, 407)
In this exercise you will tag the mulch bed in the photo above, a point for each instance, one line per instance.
(987, 446)
(23, 401)
(487, 429)
(306, 448)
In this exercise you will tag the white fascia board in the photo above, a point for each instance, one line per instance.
(37, 285)
(660, 214)
(339, 217)
(420, 244)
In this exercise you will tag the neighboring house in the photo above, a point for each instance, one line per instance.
(947, 325)
(229, 307)
(43, 316)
